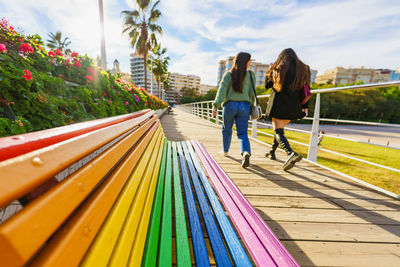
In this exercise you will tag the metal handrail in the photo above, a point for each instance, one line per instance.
(205, 112)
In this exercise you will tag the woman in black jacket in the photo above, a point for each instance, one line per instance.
(287, 77)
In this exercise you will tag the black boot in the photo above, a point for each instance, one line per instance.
(271, 153)
(293, 157)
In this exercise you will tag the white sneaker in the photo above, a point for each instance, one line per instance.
(225, 154)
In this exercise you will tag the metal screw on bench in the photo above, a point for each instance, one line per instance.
(36, 161)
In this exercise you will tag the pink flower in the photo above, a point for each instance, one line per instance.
(77, 64)
(126, 103)
(3, 48)
(88, 78)
(137, 99)
(109, 101)
(28, 75)
(104, 94)
(74, 54)
(51, 54)
(58, 52)
(91, 71)
(24, 47)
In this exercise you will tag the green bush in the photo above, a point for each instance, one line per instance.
(45, 89)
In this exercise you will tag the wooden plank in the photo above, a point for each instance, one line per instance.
(341, 232)
(102, 247)
(13, 146)
(238, 254)
(153, 234)
(199, 245)
(165, 253)
(257, 250)
(69, 244)
(182, 242)
(140, 236)
(330, 215)
(23, 234)
(30, 170)
(266, 200)
(311, 253)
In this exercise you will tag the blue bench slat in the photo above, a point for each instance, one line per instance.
(236, 249)
(220, 254)
(199, 245)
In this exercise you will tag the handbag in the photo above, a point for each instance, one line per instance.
(256, 111)
(305, 94)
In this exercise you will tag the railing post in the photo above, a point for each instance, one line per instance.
(313, 148)
(217, 117)
(208, 112)
(254, 129)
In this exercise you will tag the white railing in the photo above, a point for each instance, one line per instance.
(204, 110)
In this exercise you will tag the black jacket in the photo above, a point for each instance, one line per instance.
(286, 104)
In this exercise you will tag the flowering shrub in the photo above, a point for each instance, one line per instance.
(36, 91)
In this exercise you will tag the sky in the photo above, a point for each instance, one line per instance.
(199, 33)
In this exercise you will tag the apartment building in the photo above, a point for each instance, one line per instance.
(395, 74)
(258, 68)
(204, 88)
(137, 74)
(178, 82)
(340, 75)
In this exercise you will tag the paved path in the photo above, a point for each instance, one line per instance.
(321, 218)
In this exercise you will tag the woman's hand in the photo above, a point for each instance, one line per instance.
(305, 111)
(214, 112)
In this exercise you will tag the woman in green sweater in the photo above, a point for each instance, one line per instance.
(236, 96)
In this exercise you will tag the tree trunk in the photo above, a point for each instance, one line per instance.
(159, 91)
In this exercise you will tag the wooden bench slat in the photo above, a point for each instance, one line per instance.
(30, 170)
(182, 242)
(140, 235)
(153, 234)
(13, 146)
(236, 249)
(24, 233)
(199, 245)
(271, 243)
(165, 253)
(70, 243)
(259, 254)
(102, 247)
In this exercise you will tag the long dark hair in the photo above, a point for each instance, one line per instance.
(277, 72)
(238, 70)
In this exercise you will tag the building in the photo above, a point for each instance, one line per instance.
(204, 88)
(395, 74)
(137, 74)
(258, 68)
(116, 70)
(178, 82)
(313, 76)
(340, 75)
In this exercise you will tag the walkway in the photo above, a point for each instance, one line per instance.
(321, 218)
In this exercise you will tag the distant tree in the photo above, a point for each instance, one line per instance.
(138, 23)
(57, 42)
(160, 64)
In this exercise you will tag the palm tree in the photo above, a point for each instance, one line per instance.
(56, 42)
(160, 65)
(138, 24)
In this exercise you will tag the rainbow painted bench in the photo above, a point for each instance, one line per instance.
(115, 192)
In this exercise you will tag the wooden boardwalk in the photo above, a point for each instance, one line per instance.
(322, 218)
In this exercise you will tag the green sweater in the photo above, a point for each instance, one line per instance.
(226, 93)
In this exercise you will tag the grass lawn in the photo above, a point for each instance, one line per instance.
(386, 179)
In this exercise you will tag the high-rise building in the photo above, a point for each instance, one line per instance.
(137, 74)
(340, 75)
(258, 68)
(313, 76)
(179, 82)
(395, 74)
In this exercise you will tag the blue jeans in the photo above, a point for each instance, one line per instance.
(238, 112)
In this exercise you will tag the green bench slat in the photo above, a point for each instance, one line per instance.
(199, 245)
(182, 240)
(165, 254)
(152, 239)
